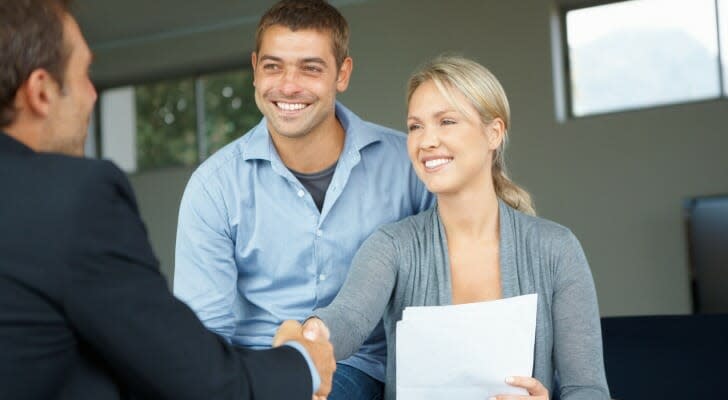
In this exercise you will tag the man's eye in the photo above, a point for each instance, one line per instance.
(270, 67)
(311, 68)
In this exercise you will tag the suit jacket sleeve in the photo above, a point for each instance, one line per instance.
(120, 305)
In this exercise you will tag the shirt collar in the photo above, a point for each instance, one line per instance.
(358, 135)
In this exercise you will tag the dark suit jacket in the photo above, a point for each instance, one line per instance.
(84, 311)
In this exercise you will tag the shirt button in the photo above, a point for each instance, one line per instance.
(322, 277)
(300, 193)
(319, 233)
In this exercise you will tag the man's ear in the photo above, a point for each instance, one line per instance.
(254, 63)
(342, 79)
(39, 92)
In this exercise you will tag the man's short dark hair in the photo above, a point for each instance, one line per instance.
(31, 37)
(308, 14)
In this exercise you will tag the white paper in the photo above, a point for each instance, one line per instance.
(465, 351)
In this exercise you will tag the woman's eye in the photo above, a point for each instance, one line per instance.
(448, 122)
(413, 127)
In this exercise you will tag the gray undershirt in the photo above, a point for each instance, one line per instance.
(316, 183)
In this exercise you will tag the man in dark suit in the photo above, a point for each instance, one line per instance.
(84, 311)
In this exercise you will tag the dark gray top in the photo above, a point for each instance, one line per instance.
(406, 264)
(317, 183)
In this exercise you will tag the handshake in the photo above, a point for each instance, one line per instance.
(314, 336)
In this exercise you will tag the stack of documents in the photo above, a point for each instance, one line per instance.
(465, 351)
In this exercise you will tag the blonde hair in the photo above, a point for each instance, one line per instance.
(483, 91)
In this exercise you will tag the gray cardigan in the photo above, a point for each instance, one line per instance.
(406, 264)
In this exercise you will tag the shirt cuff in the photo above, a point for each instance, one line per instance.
(315, 378)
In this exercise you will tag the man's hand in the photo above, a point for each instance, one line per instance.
(319, 349)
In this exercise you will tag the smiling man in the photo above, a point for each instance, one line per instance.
(268, 225)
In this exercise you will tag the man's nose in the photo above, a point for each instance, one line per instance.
(290, 83)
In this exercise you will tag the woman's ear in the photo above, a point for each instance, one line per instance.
(496, 131)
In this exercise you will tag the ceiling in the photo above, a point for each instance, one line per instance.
(113, 23)
(145, 40)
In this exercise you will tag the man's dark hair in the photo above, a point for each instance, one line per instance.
(31, 37)
(308, 14)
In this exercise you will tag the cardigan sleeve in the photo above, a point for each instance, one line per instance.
(578, 357)
(362, 300)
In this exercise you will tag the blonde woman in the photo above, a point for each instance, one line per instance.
(480, 242)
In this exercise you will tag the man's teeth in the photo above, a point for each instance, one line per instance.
(291, 106)
(437, 162)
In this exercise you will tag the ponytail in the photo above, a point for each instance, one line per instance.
(512, 194)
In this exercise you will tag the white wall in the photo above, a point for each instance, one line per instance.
(118, 127)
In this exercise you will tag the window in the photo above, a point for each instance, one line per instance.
(642, 53)
(230, 108)
(177, 122)
(166, 133)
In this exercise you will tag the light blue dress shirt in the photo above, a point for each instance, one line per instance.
(253, 250)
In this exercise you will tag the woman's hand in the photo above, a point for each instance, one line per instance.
(536, 391)
(314, 328)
